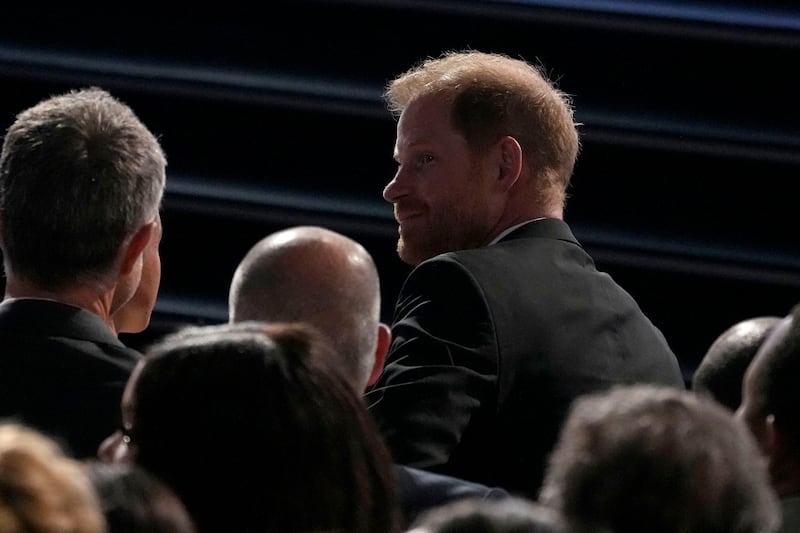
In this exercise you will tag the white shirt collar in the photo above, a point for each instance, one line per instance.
(512, 228)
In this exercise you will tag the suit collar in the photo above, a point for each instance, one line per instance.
(50, 318)
(551, 228)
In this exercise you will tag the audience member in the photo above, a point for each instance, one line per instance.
(721, 371)
(771, 409)
(42, 490)
(318, 276)
(134, 501)
(656, 459)
(512, 515)
(81, 182)
(276, 442)
(504, 319)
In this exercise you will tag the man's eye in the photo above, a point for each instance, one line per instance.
(424, 159)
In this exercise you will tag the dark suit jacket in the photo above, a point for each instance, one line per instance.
(420, 491)
(62, 371)
(491, 345)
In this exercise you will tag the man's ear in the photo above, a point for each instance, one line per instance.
(510, 162)
(381, 349)
(777, 449)
(135, 246)
(776, 442)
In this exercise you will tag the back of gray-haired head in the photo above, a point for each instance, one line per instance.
(79, 174)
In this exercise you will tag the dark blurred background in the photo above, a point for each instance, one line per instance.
(272, 116)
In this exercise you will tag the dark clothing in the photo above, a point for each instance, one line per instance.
(420, 491)
(491, 345)
(790, 514)
(62, 371)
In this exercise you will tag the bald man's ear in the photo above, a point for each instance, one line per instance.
(773, 448)
(381, 349)
(778, 446)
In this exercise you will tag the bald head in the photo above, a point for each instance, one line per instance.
(721, 371)
(314, 275)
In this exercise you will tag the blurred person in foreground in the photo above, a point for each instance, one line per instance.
(276, 440)
(135, 501)
(512, 515)
(649, 458)
(42, 490)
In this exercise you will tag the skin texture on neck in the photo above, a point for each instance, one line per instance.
(91, 298)
(102, 298)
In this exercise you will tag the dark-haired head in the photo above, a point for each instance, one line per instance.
(508, 515)
(721, 371)
(134, 501)
(253, 435)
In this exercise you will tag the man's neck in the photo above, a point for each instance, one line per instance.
(84, 297)
(521, 209)
(786, 477)
(512, 228)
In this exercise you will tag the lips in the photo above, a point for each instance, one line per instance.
(402, 215)
(402, 219)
